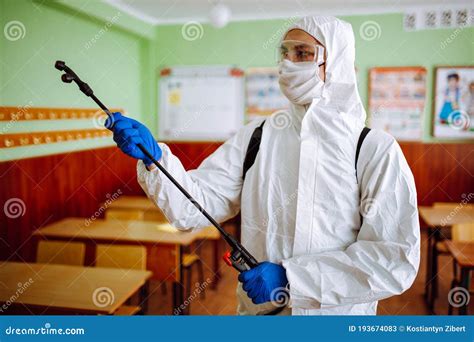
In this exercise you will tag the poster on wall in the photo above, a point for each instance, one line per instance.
(397, 100)
(453, 110)
(263, 95)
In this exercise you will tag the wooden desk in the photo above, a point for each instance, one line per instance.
(163, 243)
(463, 255)
(437, 218)
(442, 216)
(65, 289)
(153, 213)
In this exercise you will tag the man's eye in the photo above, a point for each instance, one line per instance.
(305, 54)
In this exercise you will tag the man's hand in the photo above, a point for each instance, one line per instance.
(128, 133)
(264, 283)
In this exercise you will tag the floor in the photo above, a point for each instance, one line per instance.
(222, 301)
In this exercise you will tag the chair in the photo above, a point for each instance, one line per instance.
(60, 252)
(125, 257)
(127, 310)
(189, 261)
(123, 214)
(121, 256)
(461, 233)
(452, 205)
(155, 215)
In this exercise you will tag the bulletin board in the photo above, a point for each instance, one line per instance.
(397, 97)
(200, 103)
(262, 92)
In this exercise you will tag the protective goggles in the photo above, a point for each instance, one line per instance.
(298, 51)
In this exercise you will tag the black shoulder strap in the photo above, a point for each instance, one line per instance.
(252, 149)
(256, 138)
(362, 136)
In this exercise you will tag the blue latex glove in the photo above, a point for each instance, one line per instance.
(128, 133)
(264, 283)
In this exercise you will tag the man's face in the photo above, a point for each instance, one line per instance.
(303, 36)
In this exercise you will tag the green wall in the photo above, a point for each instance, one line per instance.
(250, 44)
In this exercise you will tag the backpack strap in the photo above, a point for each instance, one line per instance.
(362, 136)
(252, 149)
(256, 138)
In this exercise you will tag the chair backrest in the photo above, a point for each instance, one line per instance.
(463, 232)
(59, 252)
(121, 256)
(155, 215)
(125, 214)
(451, 205)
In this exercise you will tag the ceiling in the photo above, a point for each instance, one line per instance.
(157, 12)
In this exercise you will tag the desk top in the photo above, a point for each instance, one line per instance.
(445, 216)
(133, 202)
(463, 252)
(119, 231)
(73, 288)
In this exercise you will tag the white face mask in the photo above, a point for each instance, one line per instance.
(300, 82)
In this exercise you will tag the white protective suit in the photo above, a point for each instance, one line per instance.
(301, 202)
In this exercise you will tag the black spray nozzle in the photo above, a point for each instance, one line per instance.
(60, 65)
(70, 76)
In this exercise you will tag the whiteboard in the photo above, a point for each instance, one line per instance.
(200, 103)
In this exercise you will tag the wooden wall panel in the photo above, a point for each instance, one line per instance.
(58, 186)
(443, 172)
(191, 154)
(74, 184)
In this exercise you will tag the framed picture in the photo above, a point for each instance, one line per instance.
(453, 107)
(397, 97)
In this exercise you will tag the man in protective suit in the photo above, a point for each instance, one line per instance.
(336, 237)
